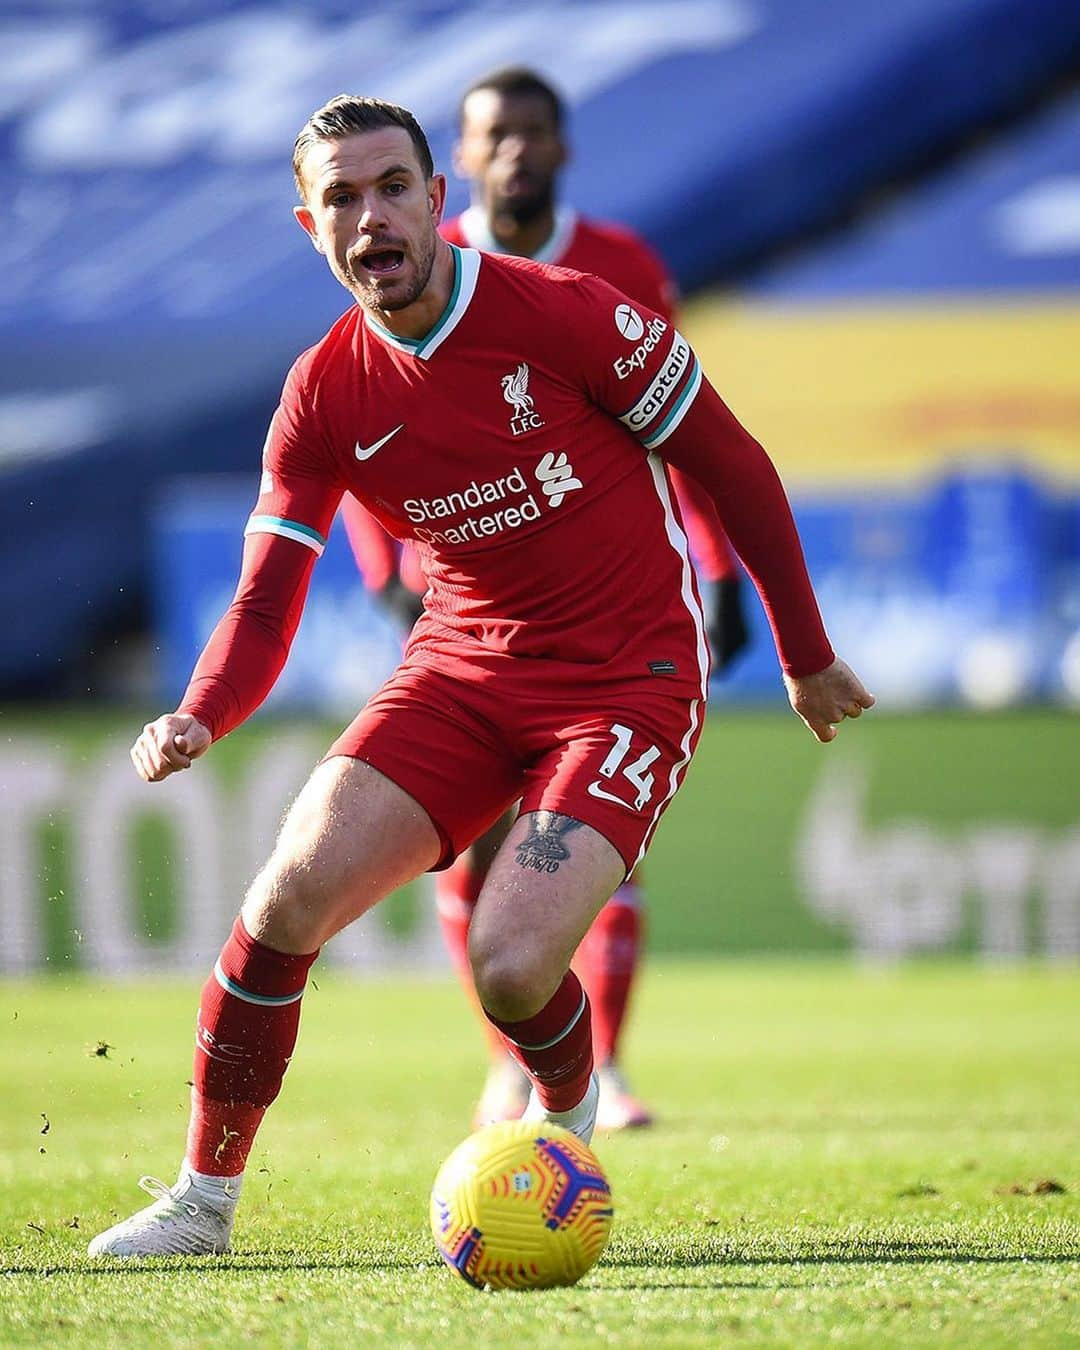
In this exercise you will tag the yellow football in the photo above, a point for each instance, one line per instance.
(521, 1205)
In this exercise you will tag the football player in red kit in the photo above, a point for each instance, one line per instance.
(516, 421)
(511, 149)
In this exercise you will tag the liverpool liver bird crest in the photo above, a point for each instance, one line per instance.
(516, 390)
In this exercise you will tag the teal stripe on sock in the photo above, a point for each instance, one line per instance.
(238, 991)
(546, 1045)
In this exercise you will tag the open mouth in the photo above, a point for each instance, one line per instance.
(381, 262)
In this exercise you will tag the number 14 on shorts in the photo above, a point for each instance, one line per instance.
(616, 768)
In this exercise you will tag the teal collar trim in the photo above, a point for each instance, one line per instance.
(466, 270)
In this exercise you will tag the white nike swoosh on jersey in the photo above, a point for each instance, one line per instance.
(365, 452)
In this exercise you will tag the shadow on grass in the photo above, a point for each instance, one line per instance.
(705, 1256)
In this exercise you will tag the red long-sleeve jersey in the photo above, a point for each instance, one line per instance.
(522, 444)
(624, 260)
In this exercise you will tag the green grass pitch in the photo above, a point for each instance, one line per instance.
(845, 1157)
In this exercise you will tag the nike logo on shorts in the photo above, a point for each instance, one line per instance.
(595, 790)
(365, 452)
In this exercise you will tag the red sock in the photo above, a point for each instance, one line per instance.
(249, 1015)
(554, 1046)
(456, 892)
(607, 962)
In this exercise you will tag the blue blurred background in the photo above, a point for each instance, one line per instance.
(864, 174)
(873, 212)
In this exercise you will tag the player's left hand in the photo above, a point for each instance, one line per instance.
(825, 699)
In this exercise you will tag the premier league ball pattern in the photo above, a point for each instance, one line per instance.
(521, 1206)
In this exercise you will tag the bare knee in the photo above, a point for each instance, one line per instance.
(350, 838)
(289, 907)
(303, 895)
(514, 977)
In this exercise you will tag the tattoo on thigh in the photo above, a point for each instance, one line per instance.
(545, 848)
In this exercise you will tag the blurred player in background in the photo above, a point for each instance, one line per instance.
(511, 150)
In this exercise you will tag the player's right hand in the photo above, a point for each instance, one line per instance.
(169, 744)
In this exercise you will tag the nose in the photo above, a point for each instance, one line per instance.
(513, 145)
(371, 217)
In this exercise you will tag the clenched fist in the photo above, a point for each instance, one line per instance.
(825, 699)
(169, 744)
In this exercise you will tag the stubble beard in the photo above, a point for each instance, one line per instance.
(369, 295)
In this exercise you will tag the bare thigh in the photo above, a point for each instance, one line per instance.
(545, 886)
(351, 837)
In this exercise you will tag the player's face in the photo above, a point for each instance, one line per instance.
(372, 212)
(511, 151)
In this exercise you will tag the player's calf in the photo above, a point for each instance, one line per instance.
(554, 1047)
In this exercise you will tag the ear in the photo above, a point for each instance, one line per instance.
(437, 196)
(306, 221)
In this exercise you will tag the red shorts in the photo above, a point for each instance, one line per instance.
(466, 751)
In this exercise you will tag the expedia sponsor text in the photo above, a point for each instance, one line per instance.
(626, 365)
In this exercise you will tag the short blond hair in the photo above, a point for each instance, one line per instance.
(349, 114)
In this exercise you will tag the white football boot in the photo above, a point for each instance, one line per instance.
(184, 1220)
(580, 1119)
